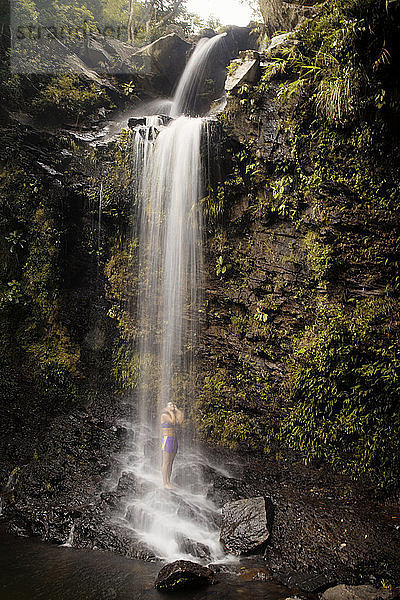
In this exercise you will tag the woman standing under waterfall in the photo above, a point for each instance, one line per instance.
(170, 417)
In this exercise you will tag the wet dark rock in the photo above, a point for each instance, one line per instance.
(61, 483)
(313, 507)
(254, 568)
(141, 121)
(245, 528)
(94, 532)
(126, 487)
(136, 122)
(265, 132)
(220, 488)
(127, 484)
(195, 548)
(308, 582)
(183, 574)
(163, 62)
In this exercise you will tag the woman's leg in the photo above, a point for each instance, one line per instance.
(171, 462)
(168, 459)
(165, 468)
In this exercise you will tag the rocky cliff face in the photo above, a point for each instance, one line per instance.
(280, 15)
(301, 286)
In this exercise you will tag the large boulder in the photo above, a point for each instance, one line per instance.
(239, 39)
(112, 56)
(245, 69)
(183, 574)
(164, 61)
(357, 592)
(245, 525)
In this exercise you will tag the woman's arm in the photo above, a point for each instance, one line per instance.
(166, 418)
(179, 416)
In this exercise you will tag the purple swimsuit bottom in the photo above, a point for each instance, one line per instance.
(169, 443)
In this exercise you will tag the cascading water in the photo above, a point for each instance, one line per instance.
(179, 523)
(193, 77)
(170, 256)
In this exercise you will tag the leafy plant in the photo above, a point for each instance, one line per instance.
(221, 267)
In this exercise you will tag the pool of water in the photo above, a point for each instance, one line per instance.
(32, 570)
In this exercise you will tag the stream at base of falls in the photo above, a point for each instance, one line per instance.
(33, 570)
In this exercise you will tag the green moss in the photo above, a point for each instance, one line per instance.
(239, 325)
(121, 291)
(320, 257)
(231, 404)
(219, 421)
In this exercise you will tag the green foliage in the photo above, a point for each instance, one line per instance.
(344, 388)
(223, 409)
(239, 325)
(129, 88)
(324, 65)
(11, 294)
(25, 10)
(337, 58)
(136, 21)
(125, 367)
(67, 96)
(221, 267)
(260, 315)
(319, 255)
(285, 200)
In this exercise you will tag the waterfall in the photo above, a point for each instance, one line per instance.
(178, 523)
(193, 77)
(170, 255)
(70, 539)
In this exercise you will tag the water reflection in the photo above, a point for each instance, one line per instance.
(31, 570)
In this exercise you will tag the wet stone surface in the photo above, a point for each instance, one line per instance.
(244, 528)
(183, 574)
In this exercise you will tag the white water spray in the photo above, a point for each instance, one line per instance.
(182, 523)
(70, 540)
(193, 77)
